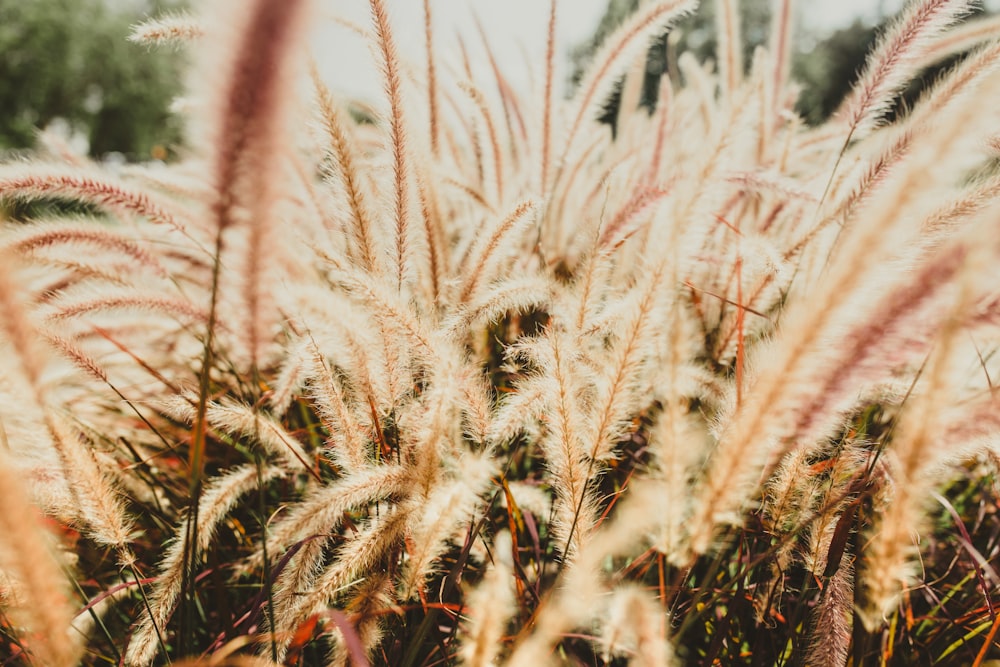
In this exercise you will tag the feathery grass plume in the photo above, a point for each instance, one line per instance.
(893, 61)
(730, 45)
(732, 139)
(786, 507)
(355, 636)
(445, 511)
(181, 181)
(322, 510)
(509, 296)
(664, 119)
(491, 604)
(359, 554)
(437, 256)
(631, 97)
(750, 443)
(581, 589)
(239, 419)
(901, 326)
(831, 625)
(619, 381)
(476, 407)
(889, 557)
(617, 51)
(700, 89)
(227, 661)
(596, 194)
(219, 498)
(971, 437)
(496, 149)
(364, 231)
(248, 131)
(69, 308)
(432, 85)
(292, 375)
(573, 604)
(348, 440)
(355, 343)
(310, 527)
(637, 628)
(781, 49)
(473, 193)
(18, 328)
(432, 425)
(621, 225)
(961, 80)
(245, 135)
(761, 183)
(565, 450)
(911, 454)
(682, 342)
(828, 501)
(397, 137)
(550, 64)
(879, 169)
(965, 37)
(33, 180)
(78, 356)
(517, 131)
(972, 201)
(593, 275)
(251, 102)
(473, 157)
(100, 507)
(167, 29)
(403, 331)
(97, 506)
(27, 556)
(40, 236)
(572, 183)
(679, 443)
(519, 410)
(481, 260)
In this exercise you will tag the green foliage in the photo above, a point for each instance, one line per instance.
(825, 68)
(829, 70)
(70, 59)
(695, 34)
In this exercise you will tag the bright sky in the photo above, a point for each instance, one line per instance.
(516, 29)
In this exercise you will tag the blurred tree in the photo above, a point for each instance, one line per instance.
(826, 71)
(829, 70)
(696, 33)
(70, 60)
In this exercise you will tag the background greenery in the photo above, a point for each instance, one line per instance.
(825, 66)
(69, 59)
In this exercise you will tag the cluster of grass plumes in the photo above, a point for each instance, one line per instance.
(480, 383)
